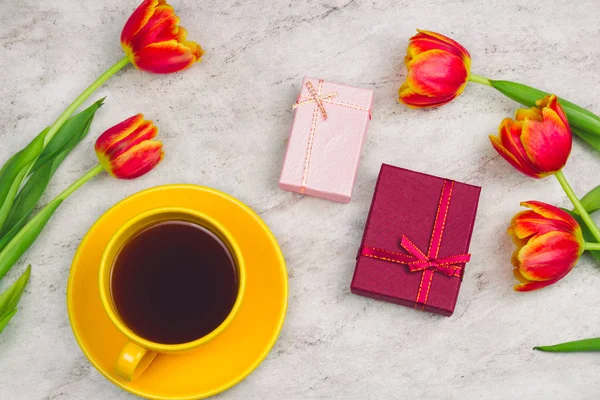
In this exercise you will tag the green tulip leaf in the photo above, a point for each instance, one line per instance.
(584, 123)
(587, 234)
(24, 238)
(570, 347)
(27, 199)
(591, 201)
(10, 298)
(14, 171)
(590, 138)
(67, 137)
(4, 320)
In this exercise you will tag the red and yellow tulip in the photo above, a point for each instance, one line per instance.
(154, 41)
(538, 141)
(438, 70)
(549, 243)
(127, 150)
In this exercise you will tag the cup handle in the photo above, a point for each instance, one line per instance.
(133, 361)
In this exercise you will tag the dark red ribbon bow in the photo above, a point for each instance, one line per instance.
(419, 261)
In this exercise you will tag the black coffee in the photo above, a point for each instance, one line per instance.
(174, 282)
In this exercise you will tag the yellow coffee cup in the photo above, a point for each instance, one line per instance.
(139, 352)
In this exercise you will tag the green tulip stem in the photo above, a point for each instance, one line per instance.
(79, 182)
(68, 191)
(578, 206)
(591, 246)
(480, 79)
(82, 97)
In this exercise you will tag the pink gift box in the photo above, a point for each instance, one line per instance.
(326, 139)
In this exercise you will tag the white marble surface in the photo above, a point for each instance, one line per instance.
(224, 124)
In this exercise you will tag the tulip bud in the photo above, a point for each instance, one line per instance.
(438, 70)
(538, 141)
(153, 40)
(127, 150)
(549, 243)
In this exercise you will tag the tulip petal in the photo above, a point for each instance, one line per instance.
(193, 46)
(547, 143)
(552, 103)
(519, 276)
(529, 113)
(551, 212)
(138, 160)
(510, 136)
(421, 44)
(452, 45)
(138, 19)
(165, 57)
(549, 255)
(438, 73)
(529, 286)
(514, 260)
(519, 242)
(552, 116)
(146, 131)
(512, 160)
(526, 224)
(162, 26)
(412, 99)
(118, 132)
(529, 223)
(408, 96)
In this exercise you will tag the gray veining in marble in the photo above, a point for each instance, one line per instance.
(224, 124)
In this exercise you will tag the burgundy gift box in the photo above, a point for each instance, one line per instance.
(414, 248)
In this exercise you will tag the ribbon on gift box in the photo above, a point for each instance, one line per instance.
(316, 96)
(428, 263)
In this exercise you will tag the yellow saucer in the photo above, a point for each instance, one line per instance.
(222, 362)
